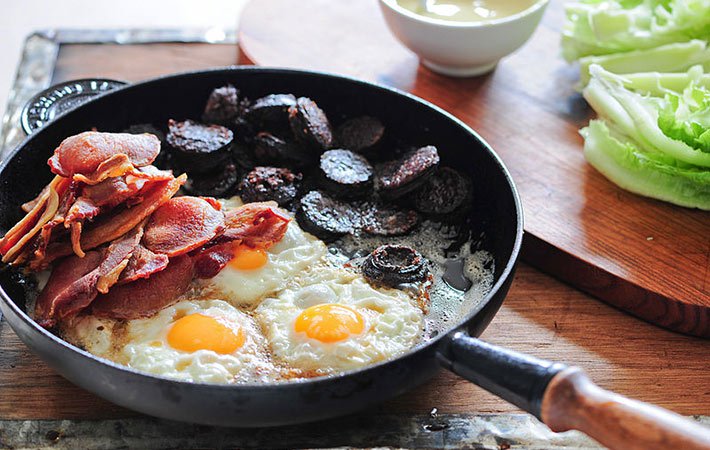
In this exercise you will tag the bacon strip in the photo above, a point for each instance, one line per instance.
(19, 235)
(143, 263)
(112, 191)
(83, 208)
(143, 298)
(84, 154)
(40, 242)
(72, 287)
(116, 225)
(257, 225)
(149, 173)
(209, 262)
(62, 283)
(29, 206)
(115, 166)
(182, 224)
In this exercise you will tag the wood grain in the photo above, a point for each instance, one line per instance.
(573, 402)
(138, 62)
(541, 316)
(644, 256)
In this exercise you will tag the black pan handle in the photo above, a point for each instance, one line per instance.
(564, 398)
(517, 378)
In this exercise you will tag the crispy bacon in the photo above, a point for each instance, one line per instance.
(113, 226)
(29, 206)
(95, 199)
(40, 242)
(91, 152)
(143, 298)
(76, 281)
(143, 263)
(257, 225)
(182, 224)
(44, 210)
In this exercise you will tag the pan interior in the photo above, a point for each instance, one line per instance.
(415, 123)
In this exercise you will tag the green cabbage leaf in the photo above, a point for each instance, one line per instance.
(675, 124)
(654, 175)
(667, 58)
(653, 133)
(602, 27)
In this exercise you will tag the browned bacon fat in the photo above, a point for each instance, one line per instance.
(86, 152)
(44, 210)
(183, 224)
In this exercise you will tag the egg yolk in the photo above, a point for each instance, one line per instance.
(329, 322)
(247, 258)
(201, 332)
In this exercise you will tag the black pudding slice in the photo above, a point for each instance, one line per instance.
(381, 220)
(393, 265)
(270, 112)
(326, 218)
(310, 124)
(360, 133)
(199, 148)
(404, 175)
(271, 149)
(220, 184)
(270, 183)
(443, 193)
(224, 106)
(345, 174)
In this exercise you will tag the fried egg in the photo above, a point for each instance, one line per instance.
(201, 341)
(332, 320)
(254, 273)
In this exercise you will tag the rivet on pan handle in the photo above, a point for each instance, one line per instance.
(565, 399)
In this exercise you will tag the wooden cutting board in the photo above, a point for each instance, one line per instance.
(649, 258)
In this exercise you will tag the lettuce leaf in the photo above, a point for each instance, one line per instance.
(602, 27)
(686, 117)
(668, 58)
(654, 175)
(674, 123)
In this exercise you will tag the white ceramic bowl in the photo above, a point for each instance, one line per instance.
(461, 49)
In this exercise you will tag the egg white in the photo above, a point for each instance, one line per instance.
(296, 251)
(142, 344)
(393, 321)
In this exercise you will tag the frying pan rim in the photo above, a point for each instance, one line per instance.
(310, 382)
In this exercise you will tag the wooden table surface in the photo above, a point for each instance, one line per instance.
(541, 316)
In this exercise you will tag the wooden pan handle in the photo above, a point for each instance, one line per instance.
(573, 402)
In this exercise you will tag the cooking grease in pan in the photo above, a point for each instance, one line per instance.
(470, 270)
